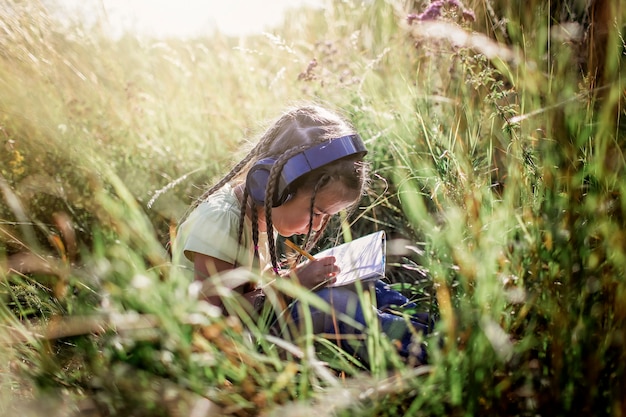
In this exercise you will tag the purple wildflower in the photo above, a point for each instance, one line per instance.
(468, 14)
(433, 11)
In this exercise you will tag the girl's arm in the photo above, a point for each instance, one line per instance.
(204, 267)
(313, 275)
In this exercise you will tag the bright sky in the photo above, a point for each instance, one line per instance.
(186, 17)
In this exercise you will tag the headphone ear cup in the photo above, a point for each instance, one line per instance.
(257, 178)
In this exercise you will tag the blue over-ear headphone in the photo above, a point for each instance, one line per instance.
(299, 165)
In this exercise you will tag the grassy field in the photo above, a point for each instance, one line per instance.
(496, 134)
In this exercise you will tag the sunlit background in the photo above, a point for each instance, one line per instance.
(179, 18)
(496, 147)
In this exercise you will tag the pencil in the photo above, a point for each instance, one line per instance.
(299, 250)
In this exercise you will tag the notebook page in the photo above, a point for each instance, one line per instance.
(362, 258)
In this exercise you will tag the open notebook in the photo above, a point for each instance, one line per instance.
(362, 258)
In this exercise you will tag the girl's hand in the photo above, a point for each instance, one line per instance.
(318, 273)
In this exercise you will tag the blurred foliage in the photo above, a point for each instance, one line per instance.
(496, 137)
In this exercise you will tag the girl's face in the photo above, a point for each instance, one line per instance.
(292, 218)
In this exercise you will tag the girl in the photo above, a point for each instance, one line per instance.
(307, 167)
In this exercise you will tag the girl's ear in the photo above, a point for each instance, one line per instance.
(288, 196)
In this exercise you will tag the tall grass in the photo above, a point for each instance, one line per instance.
(496, 144)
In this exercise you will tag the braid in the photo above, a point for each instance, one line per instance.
(316, 237)
(311, 239)
(242, 215)
(255, 238)
(272, 183)
(310, 243)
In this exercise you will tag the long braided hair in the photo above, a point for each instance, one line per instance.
(296, 130)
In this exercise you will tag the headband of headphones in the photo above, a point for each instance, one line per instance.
(299, 165)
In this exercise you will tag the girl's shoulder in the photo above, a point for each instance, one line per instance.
(221, 207)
